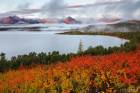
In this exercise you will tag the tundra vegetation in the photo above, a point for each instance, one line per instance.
(99, 69)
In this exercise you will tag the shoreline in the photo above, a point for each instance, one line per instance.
(117, 34)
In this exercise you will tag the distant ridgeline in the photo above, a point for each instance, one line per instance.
(19, 20)
(127, 26)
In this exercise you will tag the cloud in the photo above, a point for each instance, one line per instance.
(19, 12)
(102, 1)
(127, 9)
(54, 8)
(24, 6)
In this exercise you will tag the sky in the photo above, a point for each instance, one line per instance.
(127, 9)
(4, 5)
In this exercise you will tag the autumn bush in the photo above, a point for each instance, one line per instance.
(114, 73)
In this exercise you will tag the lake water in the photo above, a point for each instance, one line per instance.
(23, 42)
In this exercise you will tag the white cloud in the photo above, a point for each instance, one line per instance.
(96, 9)
(24, 6)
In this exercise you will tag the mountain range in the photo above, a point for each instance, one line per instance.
(19, 20)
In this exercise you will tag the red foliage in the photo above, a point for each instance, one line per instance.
(126, 66)
(88, 71)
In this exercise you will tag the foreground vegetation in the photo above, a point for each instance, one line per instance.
(103, 70)
(114, 73)
(32, 59)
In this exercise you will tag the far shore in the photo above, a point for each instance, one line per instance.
(117, 34)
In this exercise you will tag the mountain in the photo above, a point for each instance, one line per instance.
(67, 20)
(70, 20)
(18, 20)
(9, 20)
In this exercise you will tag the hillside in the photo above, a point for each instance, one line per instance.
(126, 26)
(84, 74)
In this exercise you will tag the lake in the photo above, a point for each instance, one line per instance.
(15, 43)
